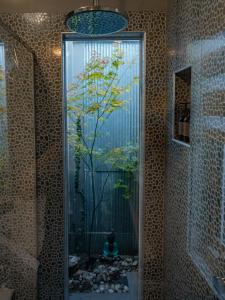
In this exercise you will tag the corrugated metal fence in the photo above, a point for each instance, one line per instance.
(122, 128)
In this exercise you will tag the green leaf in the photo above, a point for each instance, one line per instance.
(73, 108)
(109, 110)
(93, 107)
(117, 63)
(117, 103)
(76, 97)
(116, 91)
(126, 191)
(96, 75)
(110, 75)
(136, 80)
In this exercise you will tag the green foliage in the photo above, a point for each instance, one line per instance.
(121, 186)
(95, 94)
(97, 90)
(123, 158)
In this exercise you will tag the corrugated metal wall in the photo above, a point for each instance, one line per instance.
(122, 128)
(3, 120)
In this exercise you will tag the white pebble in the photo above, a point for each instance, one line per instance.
(126, 289)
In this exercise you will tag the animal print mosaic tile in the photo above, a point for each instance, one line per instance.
(42, 33)
(194, 186)
(18, 222)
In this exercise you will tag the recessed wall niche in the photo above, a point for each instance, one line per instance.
(182, 106)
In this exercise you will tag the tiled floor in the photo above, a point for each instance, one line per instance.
(132, 295)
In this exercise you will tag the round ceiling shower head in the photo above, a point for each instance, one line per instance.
(96, 20)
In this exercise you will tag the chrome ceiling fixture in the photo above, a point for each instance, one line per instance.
(96, 20)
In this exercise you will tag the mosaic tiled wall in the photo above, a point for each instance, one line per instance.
(42, 32)
(18, 224)
(195, 37)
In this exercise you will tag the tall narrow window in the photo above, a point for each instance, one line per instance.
(222, 231)
(103, 83)
(3, 123)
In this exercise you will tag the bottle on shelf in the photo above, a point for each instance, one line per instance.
(180, 124)
(186, 124)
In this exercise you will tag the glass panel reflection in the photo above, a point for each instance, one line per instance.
(103, 83)
(3, 122)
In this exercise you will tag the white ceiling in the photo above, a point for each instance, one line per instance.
(67, 5)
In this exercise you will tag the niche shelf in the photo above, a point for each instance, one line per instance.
(182, 106)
